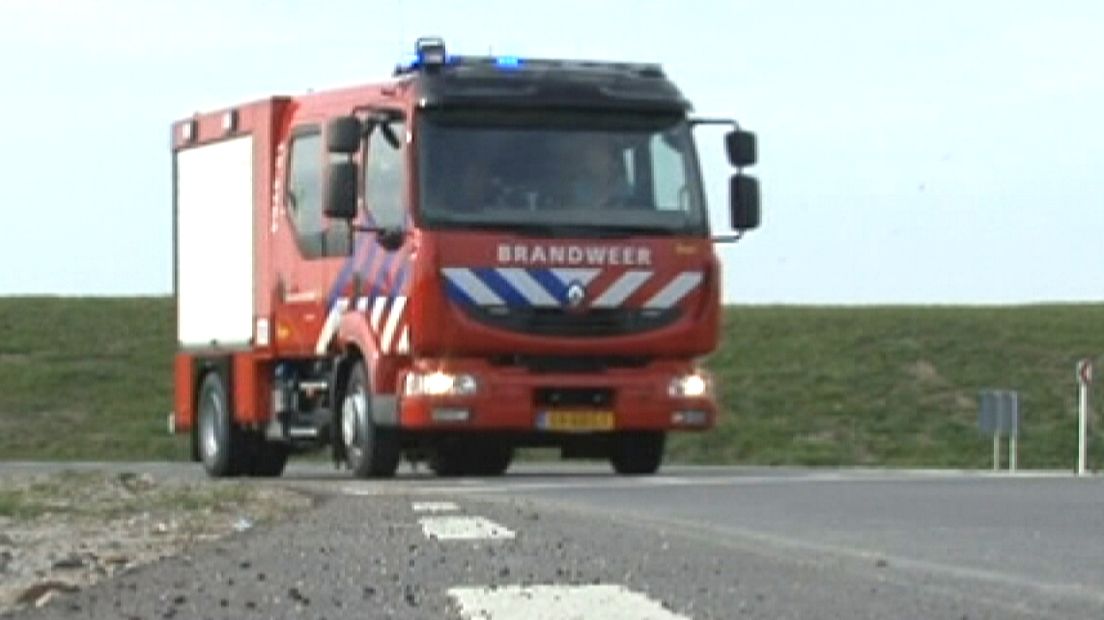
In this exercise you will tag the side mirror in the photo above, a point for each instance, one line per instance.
(741, 148)
(343, 134)
(341, 191)
(744, 202)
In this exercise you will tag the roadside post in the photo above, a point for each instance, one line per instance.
(999, 414)
(1084, 385)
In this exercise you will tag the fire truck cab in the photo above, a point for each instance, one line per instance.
(479, 254)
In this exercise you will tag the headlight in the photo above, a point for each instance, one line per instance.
(439, 383)
(694, 385)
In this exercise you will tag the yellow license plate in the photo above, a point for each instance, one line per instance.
(575, 420)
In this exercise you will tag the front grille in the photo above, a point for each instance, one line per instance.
(573, 397)
(560, 322)
(582, 364)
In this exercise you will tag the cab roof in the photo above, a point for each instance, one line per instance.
(508, 81)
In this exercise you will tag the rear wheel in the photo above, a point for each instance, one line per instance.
(220, 443)
(370, 451)
(637, 452)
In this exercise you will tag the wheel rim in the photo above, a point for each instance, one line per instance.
(351, 420)
(208, 428)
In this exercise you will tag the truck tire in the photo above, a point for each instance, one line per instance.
(220, 442)
(370, 451)
(637, 452)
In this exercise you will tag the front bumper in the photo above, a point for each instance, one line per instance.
(513, 398)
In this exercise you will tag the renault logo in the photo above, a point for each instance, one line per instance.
(575, 294)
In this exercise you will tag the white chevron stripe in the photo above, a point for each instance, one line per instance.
(568, 275)
(404, 340)
(362, 304)
(529, 288)
(392, 322)
(473, 287)
(675, 290)
(620, 290)
(377, 312)
(330, 325)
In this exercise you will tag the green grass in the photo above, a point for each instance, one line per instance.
(894, 385)
(88, 378)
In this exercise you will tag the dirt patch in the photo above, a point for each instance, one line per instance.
(925, 372)
(64, 531)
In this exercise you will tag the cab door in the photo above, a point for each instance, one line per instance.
(309, 247)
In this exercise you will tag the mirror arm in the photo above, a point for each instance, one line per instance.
(694, 122)
(727, 238)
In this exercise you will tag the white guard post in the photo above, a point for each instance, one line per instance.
(999, 414)
(1084, 383)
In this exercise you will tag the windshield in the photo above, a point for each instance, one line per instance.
(577, 172)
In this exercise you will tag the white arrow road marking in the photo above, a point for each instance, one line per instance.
(360, 491)
(553, 602)
(463, 528)
(434, 507)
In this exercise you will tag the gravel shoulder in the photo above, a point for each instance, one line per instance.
(63, 531)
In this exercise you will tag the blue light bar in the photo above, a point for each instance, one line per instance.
(431, 51)
(507, 62)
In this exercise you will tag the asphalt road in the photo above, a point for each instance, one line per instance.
(556, 541)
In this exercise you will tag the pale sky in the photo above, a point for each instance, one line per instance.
(927, 151)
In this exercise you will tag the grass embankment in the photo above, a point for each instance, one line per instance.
(92, 379)
(895, 385)
(86, 378)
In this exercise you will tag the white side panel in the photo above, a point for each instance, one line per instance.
(214, 251)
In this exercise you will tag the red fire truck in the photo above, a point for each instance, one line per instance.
(480, 254)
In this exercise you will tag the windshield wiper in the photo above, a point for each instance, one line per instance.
(530, 229)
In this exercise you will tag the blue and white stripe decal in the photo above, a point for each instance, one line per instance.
(547, 288)
(465, 286)
(675, 290)
(622, 288)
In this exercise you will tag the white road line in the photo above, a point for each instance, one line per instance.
(521, 486)
(553, 602)
(463, 528)
(434, 507)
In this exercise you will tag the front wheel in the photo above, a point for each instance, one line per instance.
(638, 452)
(370, 451)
